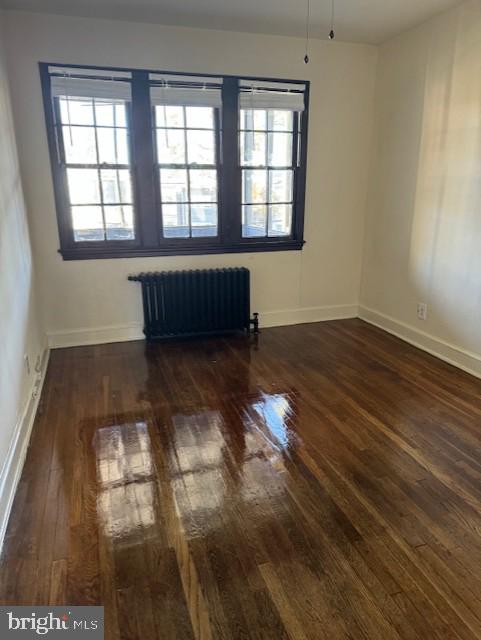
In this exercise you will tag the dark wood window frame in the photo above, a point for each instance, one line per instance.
(148, 240)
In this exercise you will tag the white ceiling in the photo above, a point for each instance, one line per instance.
(371, 21)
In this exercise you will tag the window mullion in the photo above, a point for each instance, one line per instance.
(300, 188)
(187, 169)
(143, 166)
(295, 172)
(218, 171)
(116, 151)
(58, 162)
(230, 174)
(99, 173)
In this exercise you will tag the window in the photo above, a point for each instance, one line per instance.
(91, 120)
(269, 131)
(151, 163)
(186, 135)
(266, 144)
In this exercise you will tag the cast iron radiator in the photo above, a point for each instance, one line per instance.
(190, 303)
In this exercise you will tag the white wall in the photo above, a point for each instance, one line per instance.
(423, 236)
(19, 329)
(79, 298)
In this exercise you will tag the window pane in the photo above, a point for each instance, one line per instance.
(116, 186)
(173, 185)
(200, 117)
(80, 111)
(79, 144)
(104, 113)
(121, 115)
(113, 147)
(200, 147)
(280, 185)
(119, 222)
(83, 186)
(204, 220)
(280, 217)
(87, 224)
(170, 146)
(253, 148)
(254, 221)
(175, 219)
(253, 119)
(169, 116)
(280, 149)
(203, 185)
(280, 120)
(109, 113)
(254, 184)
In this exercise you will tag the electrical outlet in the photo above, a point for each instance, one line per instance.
(27, 363)
(422, 311)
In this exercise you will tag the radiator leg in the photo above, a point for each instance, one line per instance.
(255, 323)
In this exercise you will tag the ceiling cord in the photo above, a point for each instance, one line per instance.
(332, 34)
(308, 19)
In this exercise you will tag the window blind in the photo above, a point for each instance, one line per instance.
(107, 89)
(194, 91)
(271, 95)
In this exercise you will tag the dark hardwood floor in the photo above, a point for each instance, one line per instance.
(322, 484)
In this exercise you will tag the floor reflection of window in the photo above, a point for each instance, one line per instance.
(126, 476)
(198, 441)
(199, 457)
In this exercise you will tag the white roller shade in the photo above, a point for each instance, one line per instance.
(107, 89)
(271, 95)
(186, 96)
(174, 90)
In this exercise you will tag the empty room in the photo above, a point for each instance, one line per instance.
(240, 319)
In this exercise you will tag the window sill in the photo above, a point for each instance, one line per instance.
(105, 253)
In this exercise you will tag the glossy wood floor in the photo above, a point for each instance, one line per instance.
(322, 484)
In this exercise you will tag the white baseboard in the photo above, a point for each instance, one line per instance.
(124, 333)
(466, 360)
(13, 465)
(306, 315)
(99, 335)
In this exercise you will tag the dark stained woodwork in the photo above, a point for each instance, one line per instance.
(147, 206)
(322, 482)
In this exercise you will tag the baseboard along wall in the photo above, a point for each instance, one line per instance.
(13, 465)
(458, 357)
(124, 333)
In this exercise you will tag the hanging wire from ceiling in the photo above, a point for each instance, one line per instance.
(332, 33)
(308, 20)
